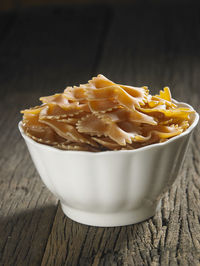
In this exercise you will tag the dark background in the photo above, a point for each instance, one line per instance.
(14, 4)
(45, 46)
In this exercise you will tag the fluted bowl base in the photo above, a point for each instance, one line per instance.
(111, 219)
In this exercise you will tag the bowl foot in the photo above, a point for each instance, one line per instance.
(111, 219)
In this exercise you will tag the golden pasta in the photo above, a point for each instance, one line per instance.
(102, 115)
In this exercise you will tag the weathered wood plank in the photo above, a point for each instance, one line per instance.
(44, 49)
(153, 46)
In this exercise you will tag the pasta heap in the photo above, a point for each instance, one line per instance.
(102, 115)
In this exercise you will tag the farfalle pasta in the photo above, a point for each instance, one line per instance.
(102, 115)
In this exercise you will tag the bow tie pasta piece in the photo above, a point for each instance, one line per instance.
(76, 93)
(165, 94)
(107, 143)
(114, 92)
(103, 105)
(133, 116)
(102, 115)
(67, 131)
(53, 111)
(73, 146)
(100, 82)
(61, 101)
(37, 130)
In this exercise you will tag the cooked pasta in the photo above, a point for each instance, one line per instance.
(102, 115)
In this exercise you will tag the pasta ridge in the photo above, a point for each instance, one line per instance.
(102, 115)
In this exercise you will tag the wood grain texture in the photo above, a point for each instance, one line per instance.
(42, 50)
(45, 49)
(153, 46)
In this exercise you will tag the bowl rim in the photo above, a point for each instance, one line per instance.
(50, 148)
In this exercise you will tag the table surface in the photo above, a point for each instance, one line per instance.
(42, 50)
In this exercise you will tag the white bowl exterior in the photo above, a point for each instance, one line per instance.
(110, 188)
(109, 183)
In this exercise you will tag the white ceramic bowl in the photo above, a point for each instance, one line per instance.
(111, 188)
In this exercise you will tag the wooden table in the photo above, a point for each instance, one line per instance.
(42, 51)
